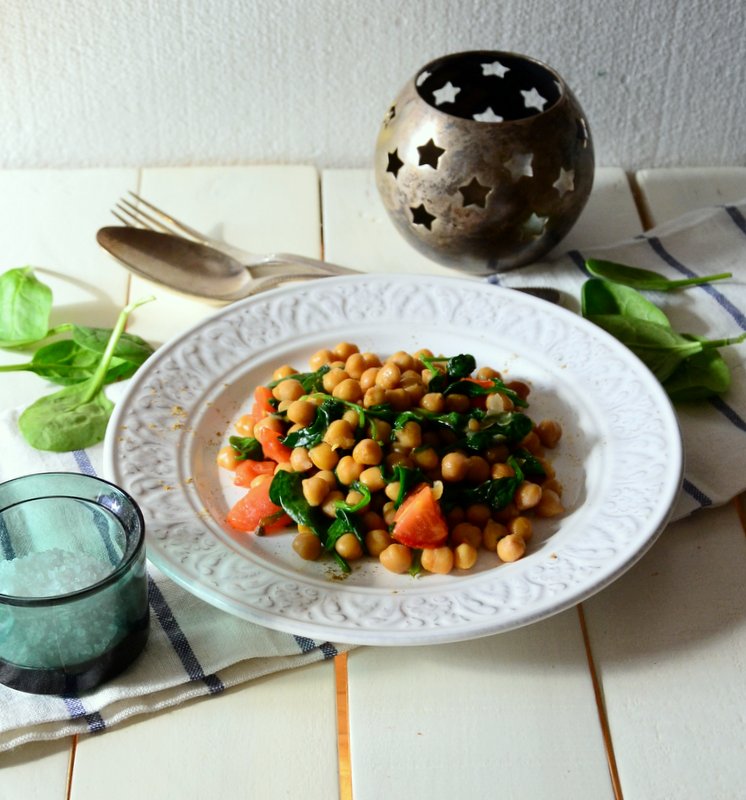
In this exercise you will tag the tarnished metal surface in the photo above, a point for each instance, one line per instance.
(485, 160)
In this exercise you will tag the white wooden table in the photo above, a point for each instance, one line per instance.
(638, 693)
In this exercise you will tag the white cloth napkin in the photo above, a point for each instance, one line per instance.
(194, 649)
(197, 650)
(703, 242)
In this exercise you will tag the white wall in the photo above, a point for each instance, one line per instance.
(156, 82)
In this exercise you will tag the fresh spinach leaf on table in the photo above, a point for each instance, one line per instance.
(25, 305)
(601, 297)
(638, 278)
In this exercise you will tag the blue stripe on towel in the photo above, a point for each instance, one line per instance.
(579, 261)
(179, 641)
(716, 294)
(305, 644)
(697, 494)
(735, 214)
(76, 710)
(329, 650)
(720, 405)
(84, 463)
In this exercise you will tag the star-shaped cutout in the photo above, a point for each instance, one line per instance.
(495, 68)
(446, 94)
(421, 216)
(533, 227)
(565, 182)
(520, 165)
(488, 115)
(474, 193)
(533, 99)
(422, 77)
(395, 163)
(429, 154)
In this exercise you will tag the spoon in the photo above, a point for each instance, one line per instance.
(200, 270)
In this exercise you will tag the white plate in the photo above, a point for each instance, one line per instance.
(620, 458)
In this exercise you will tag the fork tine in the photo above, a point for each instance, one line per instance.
(175, 223)
(141, 217)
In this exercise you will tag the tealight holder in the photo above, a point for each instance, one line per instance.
(73, 583)
(484, 161)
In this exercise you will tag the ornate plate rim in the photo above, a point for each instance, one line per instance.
(150, 455)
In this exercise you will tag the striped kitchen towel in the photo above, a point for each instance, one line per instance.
(194, 649)
(702, 242)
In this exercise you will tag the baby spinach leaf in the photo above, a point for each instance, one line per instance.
(310, 381)
(496, 493)
(76, 416)
(643, 278)
(459, 366)
(247, 448)
(408, 477)
(506, 426)
(658, 346)
(25, 304)
(698, 377)
(474, 389)
(601, 297)
(330, 410)
(286, 491)
(130, 347)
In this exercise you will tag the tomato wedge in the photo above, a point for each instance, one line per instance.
(262, 407)
(247, 470)
(419, 521)
(272, 446)
(255, 512)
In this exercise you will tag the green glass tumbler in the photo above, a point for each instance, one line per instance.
(73, 583)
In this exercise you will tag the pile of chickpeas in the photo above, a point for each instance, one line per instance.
(348, 454)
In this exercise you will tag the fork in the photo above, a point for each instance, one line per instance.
(133, 215)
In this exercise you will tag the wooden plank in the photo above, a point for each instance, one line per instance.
(262, 209)
(50, 219)
(242, 738)
(513, 714)
(669, 637)
(274, 737)
(359, 234)
(36, 771)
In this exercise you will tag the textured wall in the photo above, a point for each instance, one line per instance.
(138, 82)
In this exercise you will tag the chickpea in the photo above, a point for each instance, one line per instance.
(437, 559)
(549, 432)
(466, 532)
(245, 425)
(425, 457)
(478, 514)
(520, 526)
(299, 460)
(433, 401)
(271, 422)
(492, 533)
(396, 558)
(423, 353)
(527, 495)
(372, 478)
(368, 378)
(333, 378)
(511, 548)
(392, 490)
(506, 513)
(501, 470)
(328, 476)
(388, 376)
(454, 467)
(409, 435)
(355, 365)
(402, 360)
(377, 540)
(458, 402)
(477, 470)
(382, 431)
(368, 452)
(409, 378)
(398, 398)
(348, 470)
(520, 388)
(372, 520)
(307, 546)
(340, 435)
(464, 556)
(315, 490)
(388, 512)
(329, 506)
(532, 443)
(486, 373)
(552, 485)
(228, 458)
(498, 402)
(348, 390)
(319, 358)
(323, 456)
(497, 452)
(354, 497)
(375, 396)
(392, 459)
(260, 479)
(371, 360)
(344, 350)
(550, 504)
(415, 392)
(349, 547)
(285, 371)
(289, 389)
(455, 516)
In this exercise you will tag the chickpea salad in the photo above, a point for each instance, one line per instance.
(417, 460)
